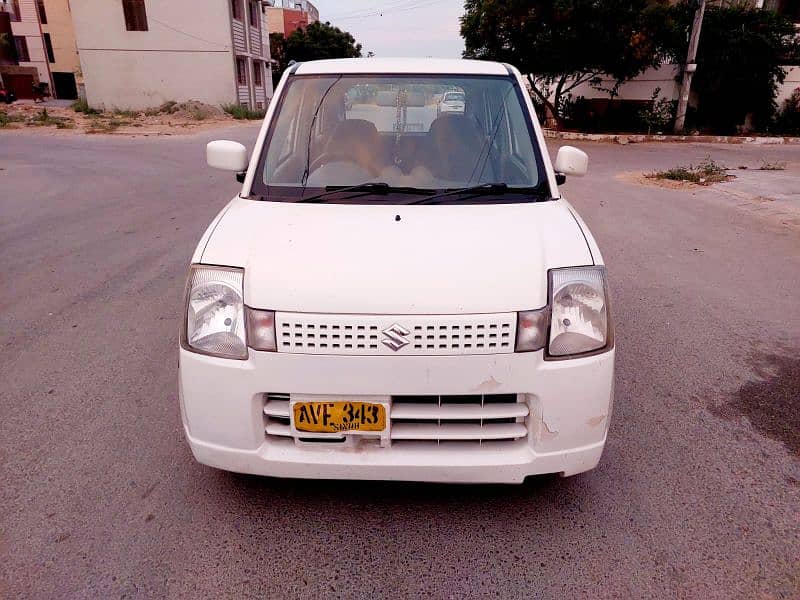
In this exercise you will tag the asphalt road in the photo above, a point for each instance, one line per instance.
(697, 496)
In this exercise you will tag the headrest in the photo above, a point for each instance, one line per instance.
(353, 129)
(454, 127)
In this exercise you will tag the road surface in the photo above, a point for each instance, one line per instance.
(697, 495)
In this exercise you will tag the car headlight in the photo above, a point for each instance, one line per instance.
(579, 320)
(215, 322)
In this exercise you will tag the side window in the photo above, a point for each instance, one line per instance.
(287, 130)
(135, 15)
(254, 15)
(236, 9)
(241, 71)
(288, 146)
(48, 45)
(518, 132)
(42, 12)
(21, 46)
(522, 146)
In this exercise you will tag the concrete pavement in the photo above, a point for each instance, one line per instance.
(696, 497)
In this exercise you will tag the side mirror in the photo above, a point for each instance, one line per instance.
(227, 155)
(571, 161)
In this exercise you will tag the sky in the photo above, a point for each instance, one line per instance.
(399, 27)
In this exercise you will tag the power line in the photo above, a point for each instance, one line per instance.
(388, 6)
(391, 10)
(187, 34)
(380, 13)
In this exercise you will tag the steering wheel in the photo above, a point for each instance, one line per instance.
(338, 156)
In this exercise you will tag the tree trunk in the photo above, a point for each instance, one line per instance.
(552, 120)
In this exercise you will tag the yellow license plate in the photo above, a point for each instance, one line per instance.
(338, 417)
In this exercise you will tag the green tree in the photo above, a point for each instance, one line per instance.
(277, 51)
(738, 62)
(315, 42)
(561, 44)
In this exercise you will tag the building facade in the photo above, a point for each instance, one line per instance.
(30, 65)
(137, 54)
(287, 16)
(58, 35)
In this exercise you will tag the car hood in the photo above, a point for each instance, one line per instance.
(379, 259)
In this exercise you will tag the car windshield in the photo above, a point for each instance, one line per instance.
(400, 131)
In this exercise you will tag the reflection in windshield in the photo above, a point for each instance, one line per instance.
(421, 132)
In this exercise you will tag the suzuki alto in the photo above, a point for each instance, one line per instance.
(398, 292)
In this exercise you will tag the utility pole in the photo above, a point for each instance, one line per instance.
(690, 67)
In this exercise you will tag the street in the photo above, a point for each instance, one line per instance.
(697, 494)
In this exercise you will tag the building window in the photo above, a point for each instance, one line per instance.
(241, 71)
(236, 9)
(21, 45)
(258, 77)
(254, 20)
(15, 16)
(48, 45)
(42, 12)
(135, 15)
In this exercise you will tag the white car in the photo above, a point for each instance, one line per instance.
(453, 102)
(392, 304)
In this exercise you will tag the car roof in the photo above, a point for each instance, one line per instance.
(424, 66)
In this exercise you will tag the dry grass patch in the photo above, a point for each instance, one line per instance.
(776, 165)
(707, 172)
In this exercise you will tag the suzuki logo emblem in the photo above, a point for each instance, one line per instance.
(396, 337)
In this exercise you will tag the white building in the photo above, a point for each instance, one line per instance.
(137, 54)
(666, 80)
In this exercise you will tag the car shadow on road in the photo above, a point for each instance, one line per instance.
(257, 489)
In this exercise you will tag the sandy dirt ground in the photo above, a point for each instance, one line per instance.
(170, 119)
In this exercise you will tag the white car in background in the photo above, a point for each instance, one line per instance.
(452, 102)
(394, 303)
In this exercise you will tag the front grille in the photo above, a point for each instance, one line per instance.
(302, 333)
(434, 419)
(276, 414)
(475, 418)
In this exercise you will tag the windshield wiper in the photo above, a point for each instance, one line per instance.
(306, 173)
(485, 189)
(367, 188)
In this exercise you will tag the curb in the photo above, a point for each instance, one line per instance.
(675, 139)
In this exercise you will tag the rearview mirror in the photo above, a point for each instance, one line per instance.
(571, 161)
(227, 155)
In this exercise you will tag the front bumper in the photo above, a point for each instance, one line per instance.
(570, 405)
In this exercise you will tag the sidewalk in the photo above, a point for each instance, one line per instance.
(624, 138)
